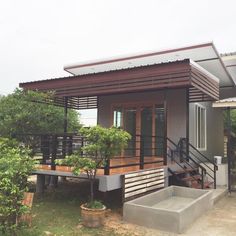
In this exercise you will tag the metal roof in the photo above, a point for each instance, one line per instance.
(229, 60)
(204, 55)
(228, 102)
(228, 54)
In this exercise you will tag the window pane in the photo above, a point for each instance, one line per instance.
(159, 130)
(202, 138)
(117, 117)
(130, 127)
(146, 130)
(200, 127)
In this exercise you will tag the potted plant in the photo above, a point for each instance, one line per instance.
(102, 144)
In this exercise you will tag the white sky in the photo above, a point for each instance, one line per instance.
(37, 38)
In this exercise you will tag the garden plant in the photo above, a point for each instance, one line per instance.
(102, 144)
(15, 167)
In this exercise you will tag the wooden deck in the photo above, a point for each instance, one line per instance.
(133, 161)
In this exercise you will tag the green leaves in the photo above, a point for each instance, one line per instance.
(104, 143)
(19, 115)
(15, 167)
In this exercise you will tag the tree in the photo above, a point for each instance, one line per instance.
(19, 115)
(102, 144)
(15, 167)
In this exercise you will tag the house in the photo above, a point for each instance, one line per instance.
(163, 99)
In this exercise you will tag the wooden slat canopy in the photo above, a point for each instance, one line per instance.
(83, 90)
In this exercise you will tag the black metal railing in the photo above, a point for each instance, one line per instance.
(188, 153)
(141, 150)
(184, 161)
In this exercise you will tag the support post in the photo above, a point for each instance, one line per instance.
(215, 177)
(229, 147)
(202, 177)
(40, 184)
(65, 114)
(64, 141)
(141, 163)
(165, 133)
(107, 168)
(54, 152)
(187, 121)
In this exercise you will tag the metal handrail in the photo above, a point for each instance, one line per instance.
(195, 149)
(183, 167)
(215, 167)
(203, 170)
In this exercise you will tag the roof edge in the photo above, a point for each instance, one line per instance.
(135, 56)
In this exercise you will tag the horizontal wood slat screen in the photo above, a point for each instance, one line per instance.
(141, 182)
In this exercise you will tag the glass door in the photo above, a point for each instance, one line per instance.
(130, 127)
(146, 125)
(147, 130)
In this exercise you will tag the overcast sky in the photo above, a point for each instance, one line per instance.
(39, 37)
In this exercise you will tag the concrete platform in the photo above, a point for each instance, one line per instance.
(171, 209)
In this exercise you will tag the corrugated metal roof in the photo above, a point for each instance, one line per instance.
(204, 54)
(227, 102)
(228, 54)
(79, 76)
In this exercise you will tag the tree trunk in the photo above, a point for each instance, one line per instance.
(91, 190)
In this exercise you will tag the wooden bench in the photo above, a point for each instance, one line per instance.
(27, 201)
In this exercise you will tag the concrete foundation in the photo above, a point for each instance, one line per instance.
(40, 184)
(170, 209)
(106, 182)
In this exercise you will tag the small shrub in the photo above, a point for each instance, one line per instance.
(102, 144)
(94, 205)
(15, 167)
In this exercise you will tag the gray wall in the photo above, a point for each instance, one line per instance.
(215, 129)
(227, 92)
(176, 108)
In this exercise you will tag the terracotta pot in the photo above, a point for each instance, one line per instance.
(92, 218)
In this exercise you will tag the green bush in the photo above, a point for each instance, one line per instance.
(15, 167)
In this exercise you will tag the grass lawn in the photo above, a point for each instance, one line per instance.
(58, 212)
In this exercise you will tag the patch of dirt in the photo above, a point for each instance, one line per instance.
(115, 223)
